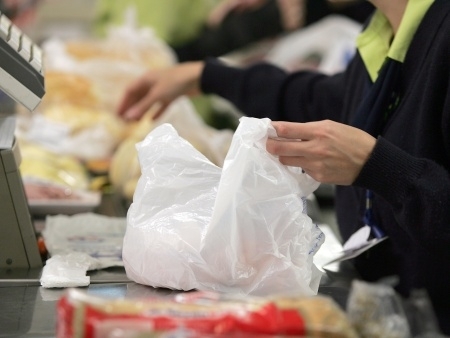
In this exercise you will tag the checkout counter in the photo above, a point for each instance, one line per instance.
(31, 309)
(27, 309)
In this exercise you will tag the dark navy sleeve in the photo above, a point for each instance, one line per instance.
(264, 90)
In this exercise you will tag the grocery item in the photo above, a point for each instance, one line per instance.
(55, 183)
(124, 170)
(69, 88)
(43, 191)
(42, 165)
(89, 49)
(78, 118)
(200, 314)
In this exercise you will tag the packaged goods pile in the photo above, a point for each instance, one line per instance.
(85, 79)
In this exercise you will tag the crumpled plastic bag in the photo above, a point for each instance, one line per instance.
(332, 38)
(69, 270)
(377, 310)
(242, 229)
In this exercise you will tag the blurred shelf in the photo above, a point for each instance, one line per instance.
(62, 19)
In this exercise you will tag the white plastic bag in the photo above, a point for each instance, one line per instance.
(241, 229)
(333, 38)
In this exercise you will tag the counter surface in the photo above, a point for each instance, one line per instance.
(29, 310)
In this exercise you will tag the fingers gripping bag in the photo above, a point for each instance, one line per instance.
(239, 229)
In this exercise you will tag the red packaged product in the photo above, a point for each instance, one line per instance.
(199, 314)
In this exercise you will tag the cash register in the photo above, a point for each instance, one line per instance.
(22, 80)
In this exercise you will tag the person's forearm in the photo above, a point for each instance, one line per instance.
(253, 91)
(265, 90)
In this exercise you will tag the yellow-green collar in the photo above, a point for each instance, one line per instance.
(374, 43)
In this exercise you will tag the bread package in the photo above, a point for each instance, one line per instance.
(200, 314)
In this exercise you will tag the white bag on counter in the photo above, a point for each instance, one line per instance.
(241, 229)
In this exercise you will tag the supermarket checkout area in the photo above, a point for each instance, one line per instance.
(27, 308)
(30, 310)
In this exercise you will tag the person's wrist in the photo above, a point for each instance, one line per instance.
(194, 71)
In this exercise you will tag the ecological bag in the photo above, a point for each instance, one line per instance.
(239, 229)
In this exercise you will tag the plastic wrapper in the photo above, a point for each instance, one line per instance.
(40, 164)
(97, 236)
(66, 270)
(55, 183)
(242, 228)
(421, 316)
(199, 314)
(375, 310)
(102, 68)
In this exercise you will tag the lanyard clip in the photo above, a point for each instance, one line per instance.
(376, 231)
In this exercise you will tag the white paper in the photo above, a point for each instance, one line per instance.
(349, 254)
(358, 239)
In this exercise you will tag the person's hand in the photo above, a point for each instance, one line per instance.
(330, 152)
(159, 87)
